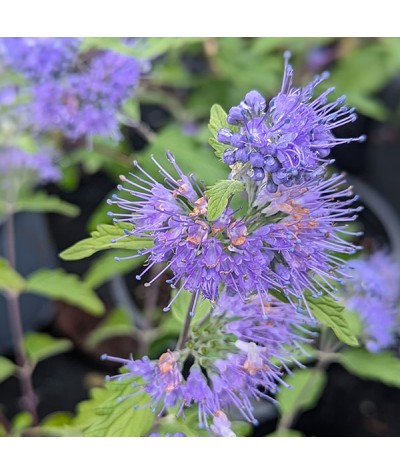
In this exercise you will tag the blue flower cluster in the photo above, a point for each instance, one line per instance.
(291, 239)
(374, 293)
(71, 94)
(286, 140)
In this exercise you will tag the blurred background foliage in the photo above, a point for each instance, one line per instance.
(186, 76)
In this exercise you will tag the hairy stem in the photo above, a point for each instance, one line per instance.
(17, 332)
(186, 326)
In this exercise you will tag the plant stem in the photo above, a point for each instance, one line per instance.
(186, 326)
(17, 332)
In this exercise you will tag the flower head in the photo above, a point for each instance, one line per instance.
(243, 361)
(283, 141)
(309, 225)
(201, 254)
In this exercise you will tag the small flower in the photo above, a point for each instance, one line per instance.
(373, 291)
(40, 59)
(163, 380)
(177, 434)
(287, 139)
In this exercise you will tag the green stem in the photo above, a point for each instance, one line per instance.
(17, 332)
(186, 326)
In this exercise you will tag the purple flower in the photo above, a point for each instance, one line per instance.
(40, 59)
(163, 380)
(373, 291)
(287, 139)
(86, 103)
(177, 434)
(243, 361)
(201, 254)
(38, 167)
(311, 229)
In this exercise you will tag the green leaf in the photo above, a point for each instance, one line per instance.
(101, 239)
(95, 158)
(189, 425)
(59, 424)
(40, 346)
(7, 368)
(382, 367)
(131, 108)
(241, 428)
(57, 284)
(180, 307)
(21, 421)
(57, 419)
(306, 387)
(333, 315)
(44, 203)
(105, 416)
(192, 156)
(106, 267)
(117, 323)
(10, 280)
(217, 121)
(219, 195)
(369, 106)
(286, 433)
(141, 48)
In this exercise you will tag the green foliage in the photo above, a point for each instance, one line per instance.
(172, 424)
(57, 284)
(117, 323)
(7, 368)
(383, 367)
(334, 316)
(181, 305)
(365, 70)
(286, 433)
(40, 346)
(58, 424)
(106, 267)
(44, 203)
(217, 122)
(101, 240)
(104, 415)
(20, 422)
(306, 388)
(219, 195)
(190, 425)
(91, 160)
(192, 156)
(10, 280)
(141, 48)
(131, 108)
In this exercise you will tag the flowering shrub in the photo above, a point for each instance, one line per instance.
(258, 247)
